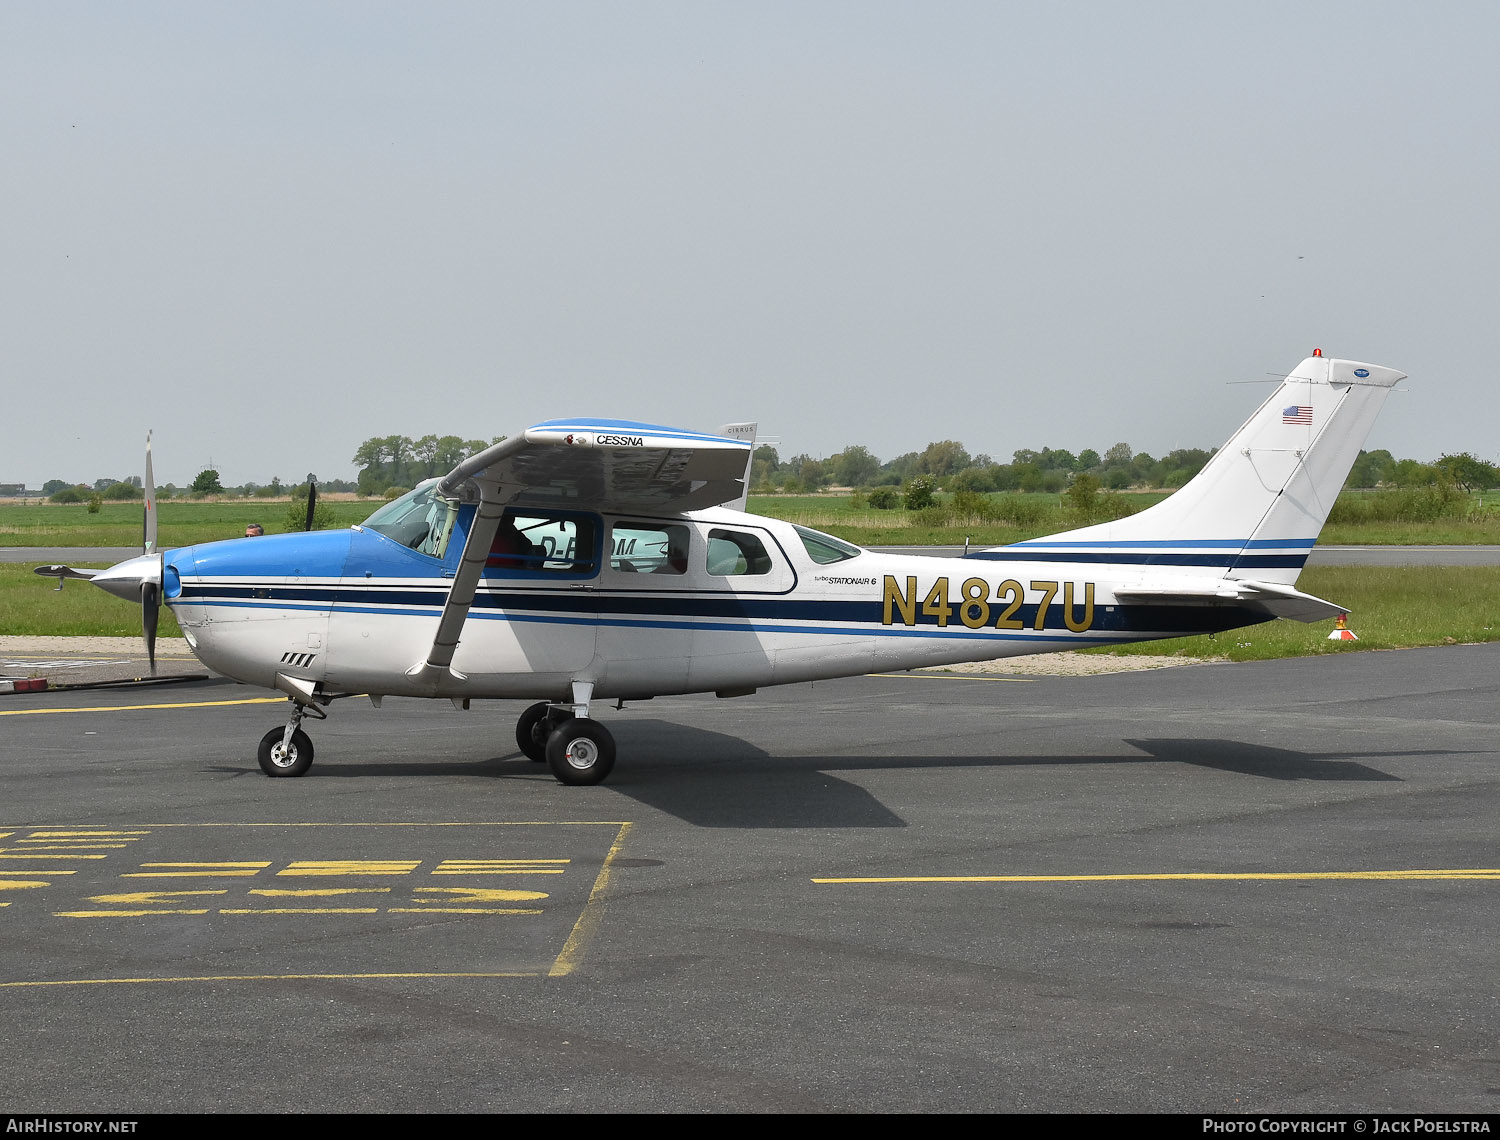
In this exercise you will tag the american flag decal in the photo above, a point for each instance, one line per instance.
(1297, 414)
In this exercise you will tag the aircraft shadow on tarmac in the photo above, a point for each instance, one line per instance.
(710, 779)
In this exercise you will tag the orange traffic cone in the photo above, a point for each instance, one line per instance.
(1341, 630)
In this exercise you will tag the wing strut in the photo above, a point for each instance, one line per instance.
(461, 594)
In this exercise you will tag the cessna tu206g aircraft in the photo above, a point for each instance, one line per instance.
(590, 560)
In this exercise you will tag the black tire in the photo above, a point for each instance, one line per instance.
(580, 751)
(295, 762)
(532, 730)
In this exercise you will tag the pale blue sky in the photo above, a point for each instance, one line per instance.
(272, 230)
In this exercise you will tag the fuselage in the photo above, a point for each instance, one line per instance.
(710, 601)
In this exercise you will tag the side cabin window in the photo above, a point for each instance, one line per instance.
(649, 548)
(824, 549)
(736, 553)
(536, 542)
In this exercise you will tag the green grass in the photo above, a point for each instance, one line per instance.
(179, 523)
(1390, 607)
(185, 522)
(31, 606)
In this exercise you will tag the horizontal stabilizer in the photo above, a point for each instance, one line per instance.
(1270, 597)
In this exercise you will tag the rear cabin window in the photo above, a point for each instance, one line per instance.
(649, 548)
(736, 553)
(824, 548)
(542, 543)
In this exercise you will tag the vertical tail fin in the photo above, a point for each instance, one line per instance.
(1256, 508)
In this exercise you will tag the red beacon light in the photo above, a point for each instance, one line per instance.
(1317, 352)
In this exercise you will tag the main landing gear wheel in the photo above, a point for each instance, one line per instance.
(278, 759)
(532, 731)
(580, 751)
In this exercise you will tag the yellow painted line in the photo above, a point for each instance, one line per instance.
(320, 892)
(470, 866)
(335, 867)
(32, 845)
(954, 677)
(478, 895)
(260, 978)
(120, 913)
(505, 871)
(1479, 873)
(588, 922)
(308, 910)
(32, 856)
(455, 910)
(21, 884)
(225, 870)
(85, 834)
(57, 872)
(133, 708)
(258, 864)
(148, 897)
(188, 874)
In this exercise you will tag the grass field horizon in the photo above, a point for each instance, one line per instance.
(999, 519)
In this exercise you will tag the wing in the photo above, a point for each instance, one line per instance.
(616, 466)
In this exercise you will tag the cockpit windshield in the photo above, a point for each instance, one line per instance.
(418, 519)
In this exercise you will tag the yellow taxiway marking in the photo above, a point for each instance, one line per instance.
(24, 854)
(319, 892)
(1482, 873)
(953, 677)
(476, 895)
(132, 835)
(132, 708)
(307, 910)
(4, 873)
(262, 978)
(21, 884)
(340, 867)
(146, 897)
(588, 922)
(502, 867)
(242, 870)
(457, 910)
(120, 913)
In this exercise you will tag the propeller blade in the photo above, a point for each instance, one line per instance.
(150, 612)
(148, 519)
(312, 502)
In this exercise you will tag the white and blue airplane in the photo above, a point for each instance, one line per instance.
(592, 560)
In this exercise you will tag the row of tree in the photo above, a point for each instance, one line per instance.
(395, 463)
(398, 461)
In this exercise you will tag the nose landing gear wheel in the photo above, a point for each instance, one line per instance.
(277, 759)
(580, 751)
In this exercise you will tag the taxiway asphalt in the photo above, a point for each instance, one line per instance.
(1264, 887)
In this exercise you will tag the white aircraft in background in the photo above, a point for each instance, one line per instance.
(590, 560)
